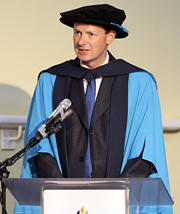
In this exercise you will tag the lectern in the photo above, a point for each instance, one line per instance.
(92, 196)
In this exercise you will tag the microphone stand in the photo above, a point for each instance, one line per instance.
(4, 173)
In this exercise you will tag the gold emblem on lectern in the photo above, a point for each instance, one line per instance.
(81, 211)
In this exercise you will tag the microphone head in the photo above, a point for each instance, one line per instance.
(68, 113)
(66, 103)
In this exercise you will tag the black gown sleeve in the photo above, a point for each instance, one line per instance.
(137, 168)
(46, 166)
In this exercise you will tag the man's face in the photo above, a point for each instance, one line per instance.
(90, 43)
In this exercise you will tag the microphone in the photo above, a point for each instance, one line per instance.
(51, 125)
(58, 114)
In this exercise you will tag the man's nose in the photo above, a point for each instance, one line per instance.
(82, 40)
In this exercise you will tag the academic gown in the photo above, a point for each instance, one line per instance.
(132, 129)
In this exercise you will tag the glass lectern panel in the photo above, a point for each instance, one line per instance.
(137, 192)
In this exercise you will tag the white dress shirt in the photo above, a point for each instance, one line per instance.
(98, 80)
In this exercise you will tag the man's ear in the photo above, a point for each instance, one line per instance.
(110, 37)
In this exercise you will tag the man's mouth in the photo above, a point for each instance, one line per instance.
(83, 50)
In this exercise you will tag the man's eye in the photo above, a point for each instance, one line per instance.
(77, 32)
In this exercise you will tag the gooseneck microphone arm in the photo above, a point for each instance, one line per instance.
(53, 129)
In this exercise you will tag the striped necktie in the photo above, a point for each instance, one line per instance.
(90, 99)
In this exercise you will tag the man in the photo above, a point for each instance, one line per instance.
(118, 132)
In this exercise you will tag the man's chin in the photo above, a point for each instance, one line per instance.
(84, 59)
